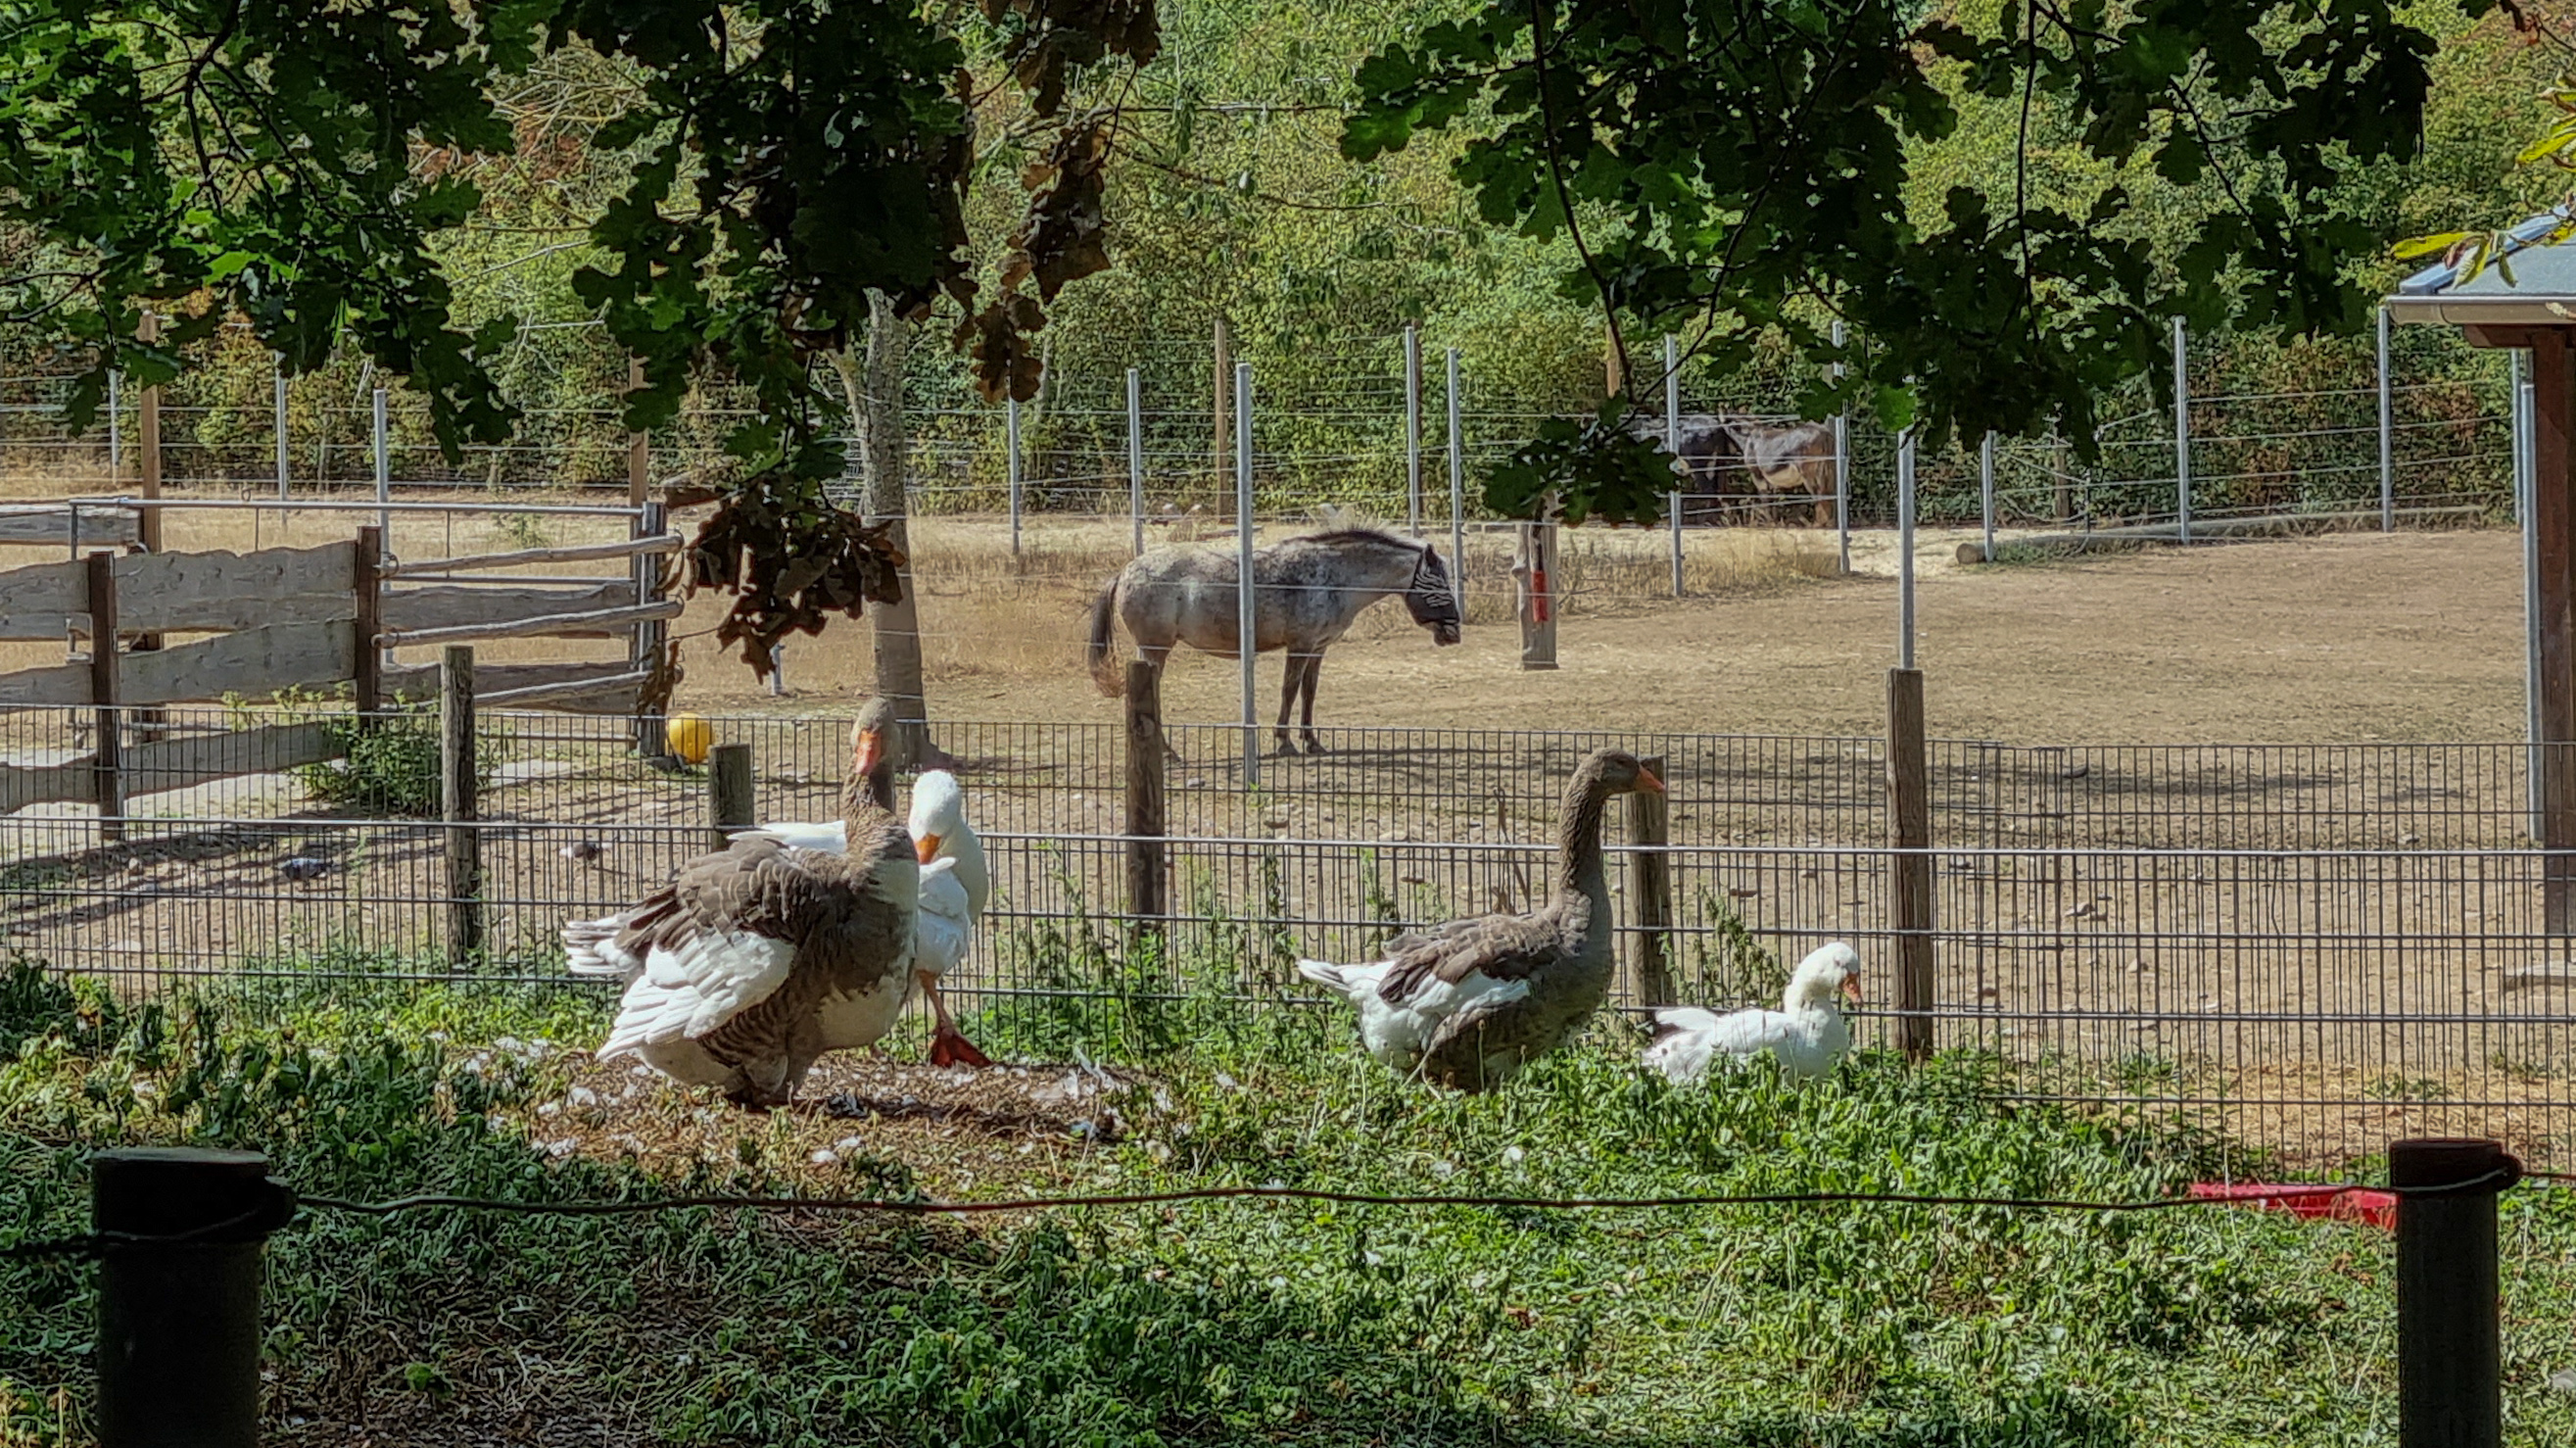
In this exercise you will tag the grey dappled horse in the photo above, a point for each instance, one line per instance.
(1305, 594)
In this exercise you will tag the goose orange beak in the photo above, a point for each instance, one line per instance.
(1646, 780)
(926, 849)
(867, 749)
(1851, 988)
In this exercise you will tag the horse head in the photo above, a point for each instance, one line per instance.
(1430, 599)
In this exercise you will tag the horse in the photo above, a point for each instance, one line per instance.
(1730, 458)
(1306, 593)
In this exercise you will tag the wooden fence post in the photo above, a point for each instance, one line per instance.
(1538, 585)
(368, 583)
(1223, 420)
(178, 1323)
(1147, 864)
(2450, 1364)
(109, 721)
(148, 524)
(731, 804)
(639, 445)
(1909, 800)
(651, 742)
(1650, 895)
(458, 803)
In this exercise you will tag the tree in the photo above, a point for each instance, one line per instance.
(1730, 167)
(874, 386)
(291, 162)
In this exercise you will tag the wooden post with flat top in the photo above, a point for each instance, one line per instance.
(1650, 894)
(731, 801)
(460, 805)
(1909, 801)
(1147, 866)
(367, 672)
(2553, 521)
(109, 720)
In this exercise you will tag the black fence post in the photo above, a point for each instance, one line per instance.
(178, 1321)
(2450, 1364)
(732, 803)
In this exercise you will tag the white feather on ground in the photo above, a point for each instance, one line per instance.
(1807, 1035)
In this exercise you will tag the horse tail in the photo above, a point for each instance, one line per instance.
(1103, 653)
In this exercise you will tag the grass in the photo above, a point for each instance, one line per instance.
(1854, 1327)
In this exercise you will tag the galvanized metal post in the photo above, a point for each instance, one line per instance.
(1011, 462)
(2525, 474)
(2182, 434)
(1842, 472)
(2450, 1360)
(178, 1321)
(2387, 435)
(1136, 459)
(1457, 489)
(1986, 491)
(1673, 442)
(1413, 427)
(1246, 618)
(1905, 549)
(384, 469)
(277, 385)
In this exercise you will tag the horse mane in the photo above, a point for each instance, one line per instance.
(1361, 535)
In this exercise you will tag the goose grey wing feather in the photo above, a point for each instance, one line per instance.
(1504, 947)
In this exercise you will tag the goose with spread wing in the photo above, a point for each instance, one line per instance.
(759, 957)
(1466, 1004)
(1807, 1035)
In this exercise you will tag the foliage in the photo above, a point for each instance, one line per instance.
(390, 763)
(1231, 1322)
(1737, 168)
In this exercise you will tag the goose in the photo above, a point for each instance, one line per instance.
(1806, 1035)
(761, 956)
(1467, 1003)
(956, 884)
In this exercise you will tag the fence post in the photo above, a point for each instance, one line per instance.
(1247, 619)
(2182, 434)
(109, 721)
(1842, 471)
(1136, 459)
(179, 1323)
(1905, 549)
(1909, 799)
(778, 671)
(1673, 443)
(1986, 490)
(1146, 868)
(384, 466)
(148, 526)
(645, 651)
(639, 444)
(1011, 464)
(277, 378)
(1457, 489)
(1413, 427)
(368, 583)
(1650, 894)
(2061, 502)
(1223, 423)
(2449, 1351)
(731, 804)
(456, 787)
(2387, 431)
(1537, 570)
(2524, 476)
(115, 433)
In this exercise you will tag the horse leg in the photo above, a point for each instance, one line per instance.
(1288, 678)
(1314, 670)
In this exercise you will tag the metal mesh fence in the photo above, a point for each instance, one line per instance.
(2310, 948)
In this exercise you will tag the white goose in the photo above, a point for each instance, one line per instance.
(1807, 1035)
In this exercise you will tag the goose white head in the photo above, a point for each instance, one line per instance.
(939, 831)
(1833, 968)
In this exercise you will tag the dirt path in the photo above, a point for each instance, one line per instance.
(2337, 639)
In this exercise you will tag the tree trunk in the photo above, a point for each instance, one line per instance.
(876, 410)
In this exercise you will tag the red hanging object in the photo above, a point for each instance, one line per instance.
(1538, 594)
(2352, 1204)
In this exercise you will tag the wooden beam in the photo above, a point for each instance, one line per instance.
(50, 524)
(184, 592)
(603, 620)
(253, 662)
(2553, 521)
(419, 610)
(524, 694)
(2511, 335)
(591, 688)
(569, 553)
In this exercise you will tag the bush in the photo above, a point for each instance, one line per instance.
(389, 767)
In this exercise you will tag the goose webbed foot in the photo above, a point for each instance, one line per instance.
(949, 1047)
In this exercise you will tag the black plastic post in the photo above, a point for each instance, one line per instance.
(2450, 1365)
(178, 1321)
(732, 803)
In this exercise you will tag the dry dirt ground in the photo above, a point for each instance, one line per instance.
(2342, 638)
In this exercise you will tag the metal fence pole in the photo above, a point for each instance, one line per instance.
(2450, 1360)
(1247, 636)
(1011, 463)
(384, 468)
(2182, 434)
(1842, 472)
(1905, 549)
(1136, 459)
(1986, 491)
(179, 1322)
(2387, 435)
(1413, 427)
(277, 381)
(1457, 489)
(2525, 478)
(1673, 442)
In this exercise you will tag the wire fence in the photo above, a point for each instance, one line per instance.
(2308, 948)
